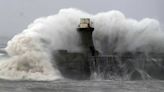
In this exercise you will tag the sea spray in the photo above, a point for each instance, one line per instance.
(28, 60)
(116, 33)
(31, 51)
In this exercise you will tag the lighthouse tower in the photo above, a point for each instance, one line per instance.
(85, 30)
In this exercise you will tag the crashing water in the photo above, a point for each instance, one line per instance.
(127, 67)
(30, 52)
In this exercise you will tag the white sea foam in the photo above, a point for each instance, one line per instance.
(30, 51)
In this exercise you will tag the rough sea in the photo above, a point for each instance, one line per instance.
(29, 68)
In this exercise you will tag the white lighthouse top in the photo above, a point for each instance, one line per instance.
(85, 23)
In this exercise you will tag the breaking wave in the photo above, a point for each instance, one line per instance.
(30, 52)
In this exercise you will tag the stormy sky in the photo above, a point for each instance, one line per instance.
(15, 15)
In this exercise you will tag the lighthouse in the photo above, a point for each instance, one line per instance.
(85, 30)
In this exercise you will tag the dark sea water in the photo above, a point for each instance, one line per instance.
(82, 86)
